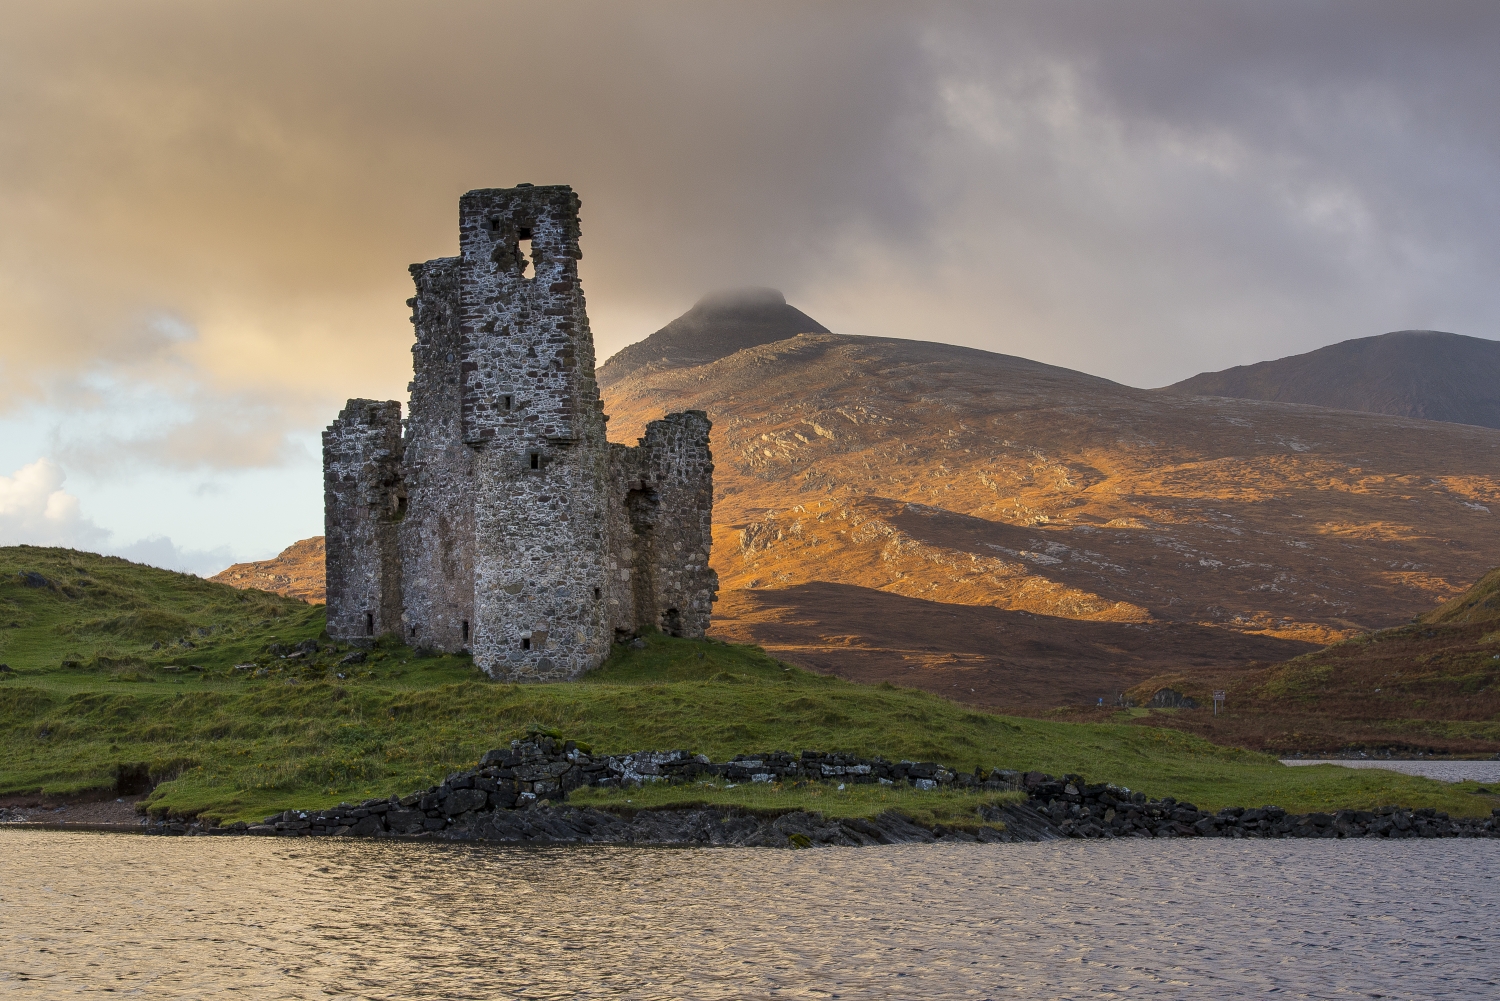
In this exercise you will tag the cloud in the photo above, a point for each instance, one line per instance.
(206, 211)
(36, 510)
(160, 551)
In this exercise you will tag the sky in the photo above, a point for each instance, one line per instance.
(207, 210)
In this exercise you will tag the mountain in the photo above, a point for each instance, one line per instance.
(297, 572)
(1410, 373)
(1029, 538)
(718, 325)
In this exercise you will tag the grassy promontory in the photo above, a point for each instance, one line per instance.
(117, 669)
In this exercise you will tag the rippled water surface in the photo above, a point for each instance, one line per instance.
(1443, 771)
(269, 918)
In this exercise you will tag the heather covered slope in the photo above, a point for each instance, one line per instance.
(1429, 685)
(1410, 373)
(718, 325)
(1024, 537)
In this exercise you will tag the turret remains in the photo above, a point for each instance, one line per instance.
(502, 521)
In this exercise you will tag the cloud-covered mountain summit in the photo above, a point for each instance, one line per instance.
(717, 326)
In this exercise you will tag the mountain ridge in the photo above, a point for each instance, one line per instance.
(1425, 374)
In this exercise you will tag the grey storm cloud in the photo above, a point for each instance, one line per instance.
(1141, 190)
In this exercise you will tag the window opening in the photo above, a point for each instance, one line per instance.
(505, 402)
(369, 623)
(495, 224)
(598, 593)
(466, 630)
(523, 244)
(525, 642)
(536, 460)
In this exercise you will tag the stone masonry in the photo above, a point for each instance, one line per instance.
(502, 521)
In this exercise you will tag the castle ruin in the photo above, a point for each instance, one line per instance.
(500, 520)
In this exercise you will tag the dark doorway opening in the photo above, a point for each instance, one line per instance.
(671, 622)
(642, 506)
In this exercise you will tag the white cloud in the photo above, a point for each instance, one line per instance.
(36, 510)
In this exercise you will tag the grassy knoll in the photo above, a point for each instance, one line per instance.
(116, 666)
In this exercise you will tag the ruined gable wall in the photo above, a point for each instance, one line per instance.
(363, 498)
(531, 408)
(437, 534)
(661, 529)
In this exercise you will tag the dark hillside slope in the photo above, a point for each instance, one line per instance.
(1427, 374)
(720, 324)
(1430, 685)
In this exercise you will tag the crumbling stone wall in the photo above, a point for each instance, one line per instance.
(523, 535)
(663, 530)
(437, 536)
(364, 501)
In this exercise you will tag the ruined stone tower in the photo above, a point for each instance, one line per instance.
(502, 521)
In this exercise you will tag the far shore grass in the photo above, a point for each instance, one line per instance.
(118, 668)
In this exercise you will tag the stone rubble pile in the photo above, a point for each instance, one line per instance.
(1080, 810)
(510, 796)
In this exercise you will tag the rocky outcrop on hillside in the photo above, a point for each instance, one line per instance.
(297, 572)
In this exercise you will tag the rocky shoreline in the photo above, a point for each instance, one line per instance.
(517, 795)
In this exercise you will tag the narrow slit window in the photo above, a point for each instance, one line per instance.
(536, 460)
(466, 630)
(523, 244)
(525, 642)
(369, 623)
(598, 593)
(495, 224)
(505, 401)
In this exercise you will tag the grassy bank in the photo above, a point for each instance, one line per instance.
(120, 668)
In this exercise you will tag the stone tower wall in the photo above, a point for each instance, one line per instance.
(531, 409)
(437, 534)
(363, 502)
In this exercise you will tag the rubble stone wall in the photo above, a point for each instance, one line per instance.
(662, 535)
(515, 794)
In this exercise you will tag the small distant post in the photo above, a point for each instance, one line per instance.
(1218, 701)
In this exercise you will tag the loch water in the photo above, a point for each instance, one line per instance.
(90, 914)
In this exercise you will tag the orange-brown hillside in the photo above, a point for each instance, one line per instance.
(297, 571)
(1025, 537)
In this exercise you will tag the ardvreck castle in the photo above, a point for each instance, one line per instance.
(501, 520)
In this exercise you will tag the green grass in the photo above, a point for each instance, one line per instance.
(91, 693)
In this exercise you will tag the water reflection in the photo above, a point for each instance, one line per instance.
(254, 918)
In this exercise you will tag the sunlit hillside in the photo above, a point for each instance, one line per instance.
(1023, 536)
